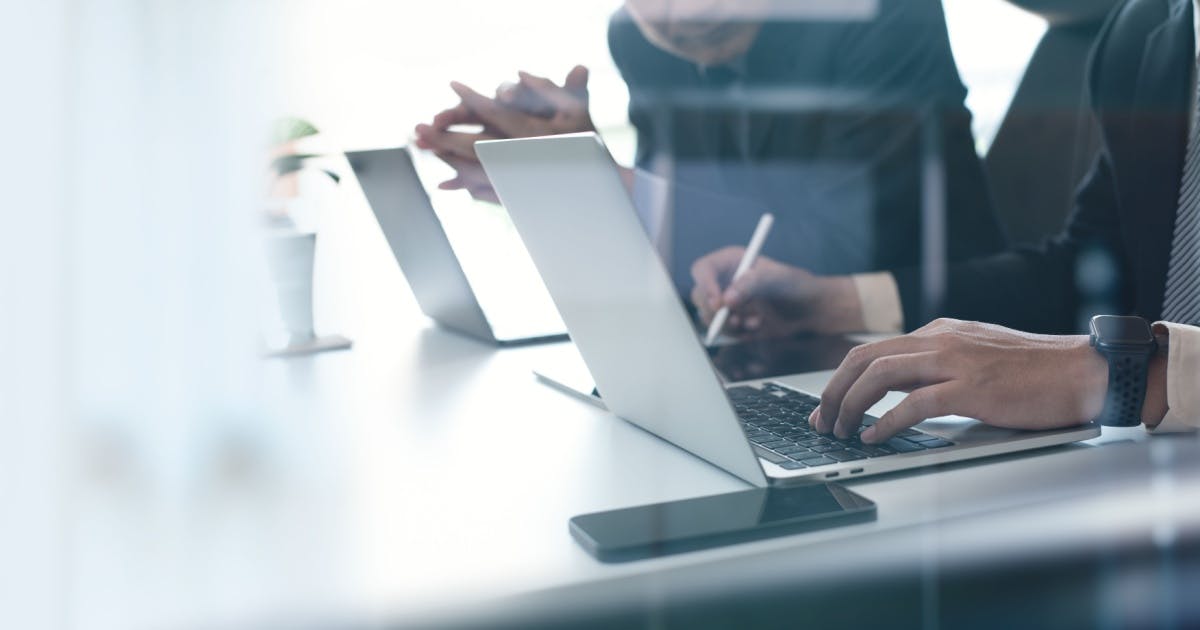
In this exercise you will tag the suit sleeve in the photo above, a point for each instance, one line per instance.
(1031, 289)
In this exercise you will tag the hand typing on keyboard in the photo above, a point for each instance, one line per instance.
(775, 420)
(1002, 377)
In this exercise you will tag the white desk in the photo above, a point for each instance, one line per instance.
(429, 473)
(423, 475)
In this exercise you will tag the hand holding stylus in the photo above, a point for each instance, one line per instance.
(769, 299)
(752, 252)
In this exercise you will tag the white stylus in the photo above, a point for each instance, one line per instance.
(752, 251)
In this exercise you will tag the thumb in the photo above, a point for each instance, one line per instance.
(577, 80)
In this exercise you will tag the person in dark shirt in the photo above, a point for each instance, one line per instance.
(1137, 213)
(741, 110)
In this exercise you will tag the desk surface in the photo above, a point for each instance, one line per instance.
(424, 476)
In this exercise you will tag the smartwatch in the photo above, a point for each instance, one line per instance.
(1128, 344)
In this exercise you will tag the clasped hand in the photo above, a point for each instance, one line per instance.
(534, 106)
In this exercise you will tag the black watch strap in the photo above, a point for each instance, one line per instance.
(1126, 389)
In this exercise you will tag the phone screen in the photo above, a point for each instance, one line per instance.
(664, 528)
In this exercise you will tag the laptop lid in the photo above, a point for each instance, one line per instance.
(440, 280)
(568, 202)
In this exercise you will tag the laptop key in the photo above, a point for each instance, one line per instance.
(923, 438)
(776, 420)
(904, 446)
(771, 456)
(846, 455)
(793, 465)
(813, 462)
(936, 443)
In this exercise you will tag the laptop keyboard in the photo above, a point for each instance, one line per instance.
(776, 421)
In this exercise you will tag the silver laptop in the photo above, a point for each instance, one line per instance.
(567, 200)
(418, 240)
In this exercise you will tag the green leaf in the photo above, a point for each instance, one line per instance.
(288, 129)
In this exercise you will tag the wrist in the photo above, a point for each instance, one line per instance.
(1091, 375)
(839, 309)
(1128, 346)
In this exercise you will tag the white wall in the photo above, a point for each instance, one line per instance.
(132, 162)
(132, 173)
(367, 71)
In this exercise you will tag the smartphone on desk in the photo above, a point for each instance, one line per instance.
(665, 528)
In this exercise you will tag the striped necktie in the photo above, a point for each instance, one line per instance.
(1182, 302)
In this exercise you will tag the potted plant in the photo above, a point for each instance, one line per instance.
(291, 241)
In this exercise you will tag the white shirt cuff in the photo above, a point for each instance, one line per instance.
(880, 300)
(1183, 380)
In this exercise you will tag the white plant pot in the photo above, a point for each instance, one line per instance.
(290, 256)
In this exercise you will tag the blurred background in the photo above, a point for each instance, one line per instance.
(343, 73)
(344, 57)
(138, 414)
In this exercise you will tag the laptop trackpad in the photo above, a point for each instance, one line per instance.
(968, 432)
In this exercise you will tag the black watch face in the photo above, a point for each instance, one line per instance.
(1113, 330)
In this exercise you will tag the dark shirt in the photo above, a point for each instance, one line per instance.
(1112, 255)
(819, 123)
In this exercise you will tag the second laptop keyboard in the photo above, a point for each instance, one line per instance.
(776, 421)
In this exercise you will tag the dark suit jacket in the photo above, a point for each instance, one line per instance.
(818, 123)
(1112, 256)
